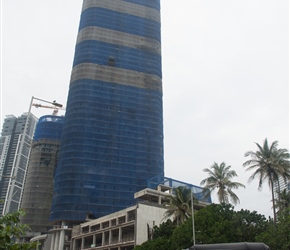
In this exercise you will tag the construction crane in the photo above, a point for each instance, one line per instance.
(55, 108)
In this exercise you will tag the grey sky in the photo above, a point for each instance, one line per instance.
(225, 77)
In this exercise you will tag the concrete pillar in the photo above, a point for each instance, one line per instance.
(159, 200)
(52, 241)
(120, 234)
(83, 243)
(110, 237)
(61, 237)
(94, 239)
(73, 244)
(103, 239)
(56, 240)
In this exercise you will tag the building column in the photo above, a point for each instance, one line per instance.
(120, 234)
(73, 244)
(103, 239)
(52, 241)
(110, 237)
(83, 243)
(56, 240)
(94, 239)
(61, 236)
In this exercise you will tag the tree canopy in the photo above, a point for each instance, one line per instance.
(215, 223)
(283, 200)
(11, 230)
(220, 178)
(179, 205)
(268, 163)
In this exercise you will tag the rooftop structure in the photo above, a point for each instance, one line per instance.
(166, 182)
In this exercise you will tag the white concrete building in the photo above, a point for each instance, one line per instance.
(122, 230)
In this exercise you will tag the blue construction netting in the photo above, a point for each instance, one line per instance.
(196, 190)
(155, 4)
(112, 140)
(49, 127)
(122, 22)
(150, 63)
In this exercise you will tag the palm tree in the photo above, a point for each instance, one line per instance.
(283, 200)
(220, 178)
(179, 205)
(269, 163)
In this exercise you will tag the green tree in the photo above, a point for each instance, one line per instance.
(11, 230)
(283, 201)
(220, 178)
(277, 236)
(214, 224)
(161, 237)
(164, 230)
(219, 223)
(160, 243)
(182, 237)
(169, 236)
(248, 225)
(268, 163)
(179, 205)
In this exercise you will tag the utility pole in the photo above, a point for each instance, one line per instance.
(192, 212)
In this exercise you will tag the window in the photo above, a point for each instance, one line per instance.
(111, 61)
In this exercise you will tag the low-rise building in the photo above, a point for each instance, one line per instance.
(124, 229)
(119, 231)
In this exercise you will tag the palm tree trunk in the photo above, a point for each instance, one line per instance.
(279, 191)
(273, 200)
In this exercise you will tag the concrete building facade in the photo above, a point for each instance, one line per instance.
(119, 231)
(124, 229)
(112, 139)
(129, 227)
(15, 146)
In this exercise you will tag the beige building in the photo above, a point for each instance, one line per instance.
(124, 229)
(118, 231)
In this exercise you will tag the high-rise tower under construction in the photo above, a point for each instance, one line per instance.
(112, 139)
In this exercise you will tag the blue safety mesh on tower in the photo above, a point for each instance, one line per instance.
(112, 140)
(198, 192)
(49, 127)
